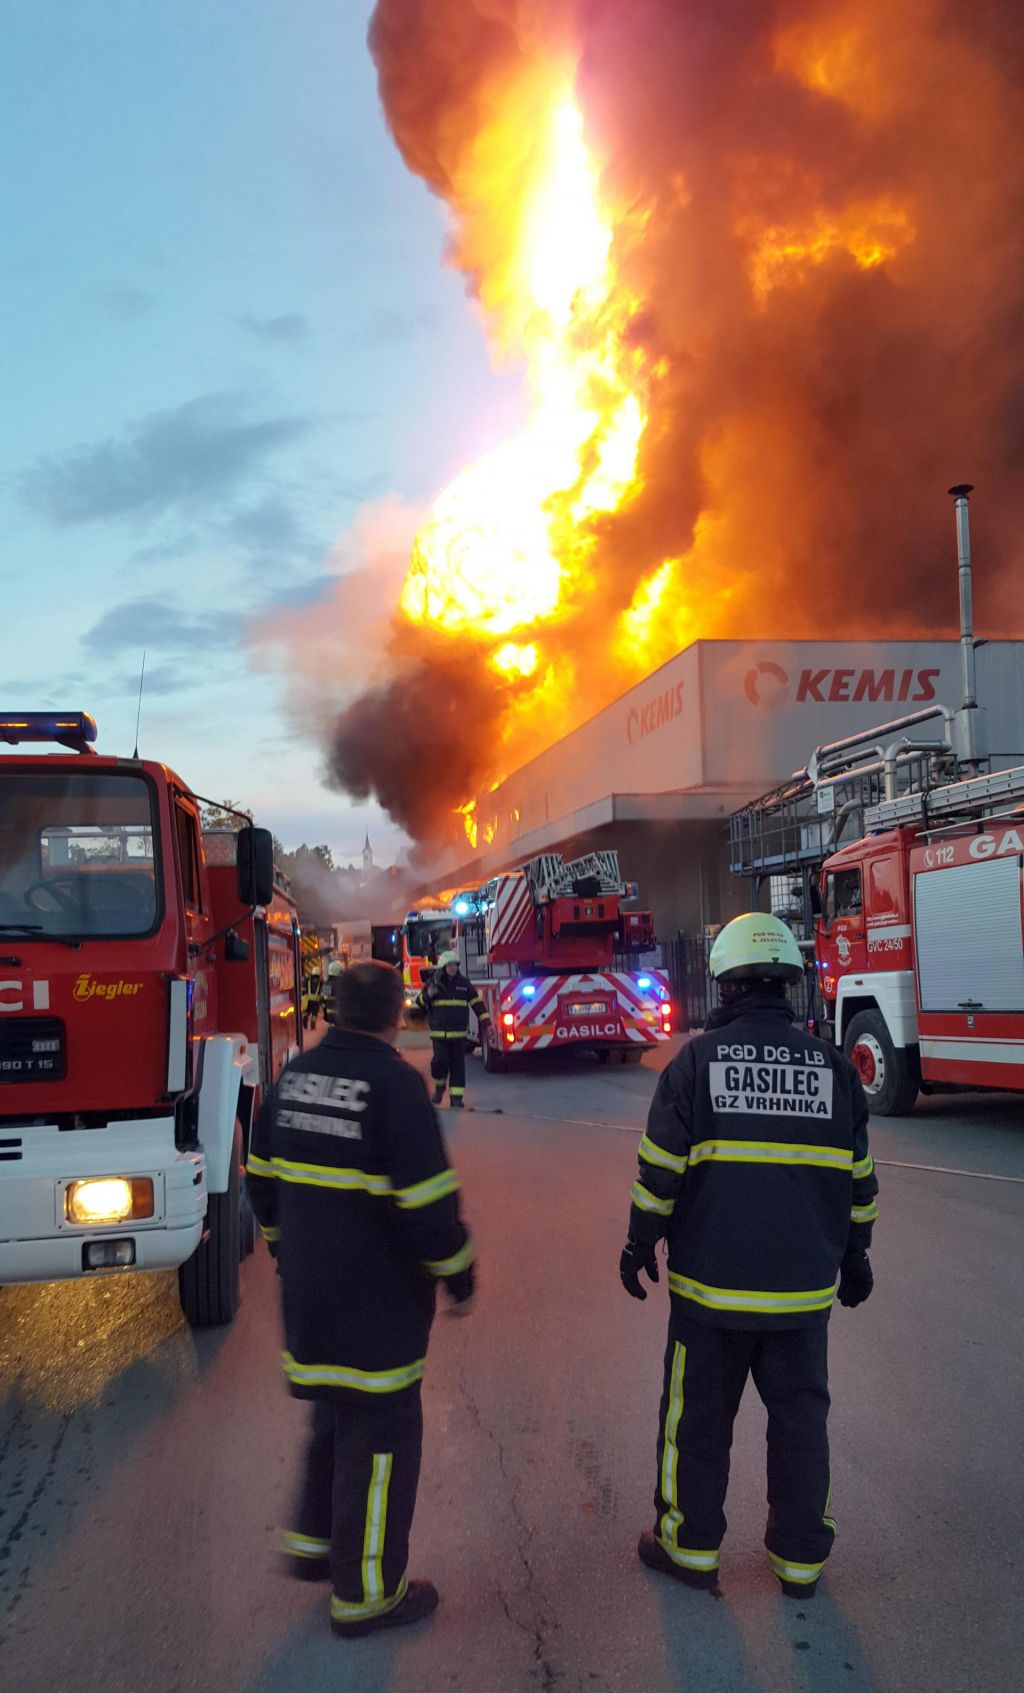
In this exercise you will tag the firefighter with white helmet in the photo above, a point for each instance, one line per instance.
(448, 998)
(330, 989)
(755, 1167)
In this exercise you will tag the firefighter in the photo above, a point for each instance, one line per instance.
(310, 999)
(352, 1190)
(330, 989)
(755, 1167)
(447, 999)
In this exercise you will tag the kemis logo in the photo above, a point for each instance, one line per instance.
(86, 987)
(644, 719)
(768, 685)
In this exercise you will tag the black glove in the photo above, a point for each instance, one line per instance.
(637, 1256)
(461, 1287)
(855, 1278)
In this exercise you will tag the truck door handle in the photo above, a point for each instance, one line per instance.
(969, 1004)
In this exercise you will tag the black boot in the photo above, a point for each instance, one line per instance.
(421, 1598)
(653, 1554)
(457, 1102)
(438, 1092)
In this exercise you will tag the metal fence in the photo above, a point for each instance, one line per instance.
(695, 994)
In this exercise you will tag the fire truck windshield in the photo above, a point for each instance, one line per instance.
(428, 939)
(76, 855)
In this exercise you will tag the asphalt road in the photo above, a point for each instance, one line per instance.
(143, 1471)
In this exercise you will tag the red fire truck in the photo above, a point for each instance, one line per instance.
(543, 957)
(149, 983)
(919, 948)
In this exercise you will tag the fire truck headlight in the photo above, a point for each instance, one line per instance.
(108, 1199)
(508, 1018)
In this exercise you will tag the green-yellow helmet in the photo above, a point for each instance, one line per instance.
(334, 967)
(447, 958)
(756, 947)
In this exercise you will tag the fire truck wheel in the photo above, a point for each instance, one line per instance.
(494, 1061)
(208, 1284)
(890, 1076)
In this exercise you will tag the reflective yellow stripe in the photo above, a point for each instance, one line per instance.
(460, 1260)
(864, 1213)
(304, 1546)
(804, 1574)
(449, 1034)
(646, 1201)
(437, 1003)
(258, 1166)
(456, 1093)
(672, 1517)
(342, 1610)
(749, 1299)
(329, 1175)
(376, 1528)
(771, 1152)
(691, 1558)
(425, 1193)
(342, 1375)
(270, 1235)
(863, 1167)
(651, 1153)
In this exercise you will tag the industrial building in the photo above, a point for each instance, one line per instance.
(658, 772)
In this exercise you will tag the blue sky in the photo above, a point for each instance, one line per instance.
(229, 336)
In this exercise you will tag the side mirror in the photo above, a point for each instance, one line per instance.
(816, 906)
(255, 866)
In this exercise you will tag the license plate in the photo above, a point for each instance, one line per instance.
(587, 1008)
(32, 1050)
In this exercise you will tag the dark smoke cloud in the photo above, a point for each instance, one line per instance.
(813, 432)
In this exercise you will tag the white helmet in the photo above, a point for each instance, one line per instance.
(447, 958)
(334, 967)
(756, 948)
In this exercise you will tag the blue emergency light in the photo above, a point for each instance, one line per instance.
(462, 908)
(643, 981)
(529, 990)
(74, 729)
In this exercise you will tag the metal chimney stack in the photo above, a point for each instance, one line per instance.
(972, 729)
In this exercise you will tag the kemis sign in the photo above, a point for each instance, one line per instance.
(769, 684)
(654, 714)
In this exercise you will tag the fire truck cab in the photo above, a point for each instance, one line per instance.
(919, 946)
(149, 982)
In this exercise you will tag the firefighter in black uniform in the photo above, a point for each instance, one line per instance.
(755, 1166)
(328, 992)
(352, 1190)
(447, 1000)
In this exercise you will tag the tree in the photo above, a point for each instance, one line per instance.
(225, 815)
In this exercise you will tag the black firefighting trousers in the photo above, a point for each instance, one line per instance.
(705, 1373)
(448, 1064)
(358, 1495)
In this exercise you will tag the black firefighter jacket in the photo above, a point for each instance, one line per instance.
(448, 1012)
(755, 1166)
(349, 1182)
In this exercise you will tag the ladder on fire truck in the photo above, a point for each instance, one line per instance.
(976, 796)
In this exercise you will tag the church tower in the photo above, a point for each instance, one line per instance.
(367, 856)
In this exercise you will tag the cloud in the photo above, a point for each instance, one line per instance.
(161, 680)
(391, 327)
(177, 459)
(291, 328)
(128, 303)
(157, 623)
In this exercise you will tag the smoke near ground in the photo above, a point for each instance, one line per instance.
(820, 223)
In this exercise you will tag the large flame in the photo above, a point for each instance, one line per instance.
(506, 544)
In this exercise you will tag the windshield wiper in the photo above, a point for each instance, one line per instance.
(37, 929)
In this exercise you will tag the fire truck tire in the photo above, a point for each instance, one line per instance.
(891, 1076)
(494, 1061)
(208, 1284)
